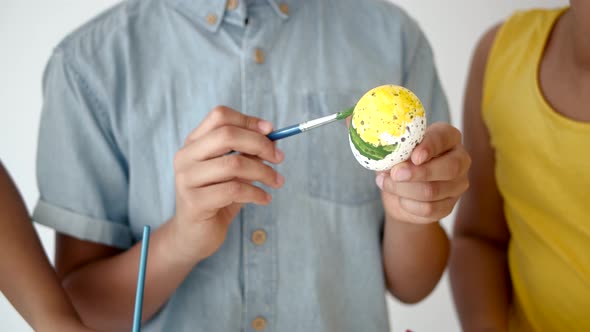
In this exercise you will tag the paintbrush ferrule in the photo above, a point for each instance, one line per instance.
(305, 126)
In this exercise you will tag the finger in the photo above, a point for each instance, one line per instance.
(220, 195)
(225, 139)
(428, 210)
(446, 167)
(231, 167)
(439, 138)
(403, 215)
(224, 116)
(425, 191)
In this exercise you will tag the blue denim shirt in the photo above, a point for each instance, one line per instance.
(122, 92)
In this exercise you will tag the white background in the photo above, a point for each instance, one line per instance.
(29, 29)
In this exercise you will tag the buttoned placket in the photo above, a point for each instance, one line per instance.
(259, 228)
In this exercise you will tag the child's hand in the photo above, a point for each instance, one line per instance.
(425, 188)
(212, 185)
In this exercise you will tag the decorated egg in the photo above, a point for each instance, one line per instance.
(387, 124)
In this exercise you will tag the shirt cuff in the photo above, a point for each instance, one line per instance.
(82, 227)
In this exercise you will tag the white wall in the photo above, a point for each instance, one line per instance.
(30, 28)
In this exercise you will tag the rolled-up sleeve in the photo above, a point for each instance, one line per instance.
(421, 75)
(81, 173)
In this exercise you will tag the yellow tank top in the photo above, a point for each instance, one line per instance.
(543, 174)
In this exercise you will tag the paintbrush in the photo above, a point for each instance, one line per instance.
(141, 279)
(308, 125)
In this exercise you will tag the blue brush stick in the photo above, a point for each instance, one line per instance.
(308, 125)
(141, 279)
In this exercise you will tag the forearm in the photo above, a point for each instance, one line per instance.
(414, 258)
(103, 292)
(480, 284)
(26, 278)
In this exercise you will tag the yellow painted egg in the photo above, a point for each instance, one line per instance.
(387, 124)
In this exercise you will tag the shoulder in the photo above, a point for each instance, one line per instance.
(97, 54)
(382, 25)
(110, 30)
(373, 14)
(376, 7)
(484, 46)
(90, 35)
(534, 15)
(477, 72)
(519, 26)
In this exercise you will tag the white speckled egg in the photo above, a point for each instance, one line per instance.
(387, 124)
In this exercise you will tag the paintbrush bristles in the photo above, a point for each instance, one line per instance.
(345, 114)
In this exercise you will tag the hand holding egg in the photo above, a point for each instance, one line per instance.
(387, 124)
(421, 171)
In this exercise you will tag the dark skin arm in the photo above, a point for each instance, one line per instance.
(26, 277)
(478, 264)
(100, 280)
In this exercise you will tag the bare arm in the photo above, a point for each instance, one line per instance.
(101, 280)
(478, 266)
(415, 247)
(415, 257)
(26, 277)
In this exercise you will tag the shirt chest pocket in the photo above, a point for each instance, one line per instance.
(333, 173)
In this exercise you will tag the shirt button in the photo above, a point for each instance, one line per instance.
(259, 56)
(259, 324)
(231, 4)
(259, 237)
(284, 8)
(211, 19)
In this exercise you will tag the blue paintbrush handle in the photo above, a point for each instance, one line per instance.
(141, 279)
(305, 126)
(284, 132)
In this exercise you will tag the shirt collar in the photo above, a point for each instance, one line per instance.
(210, 13)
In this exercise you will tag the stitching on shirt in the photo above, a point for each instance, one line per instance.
(99, 21)
(97, 108)
(95, 101)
